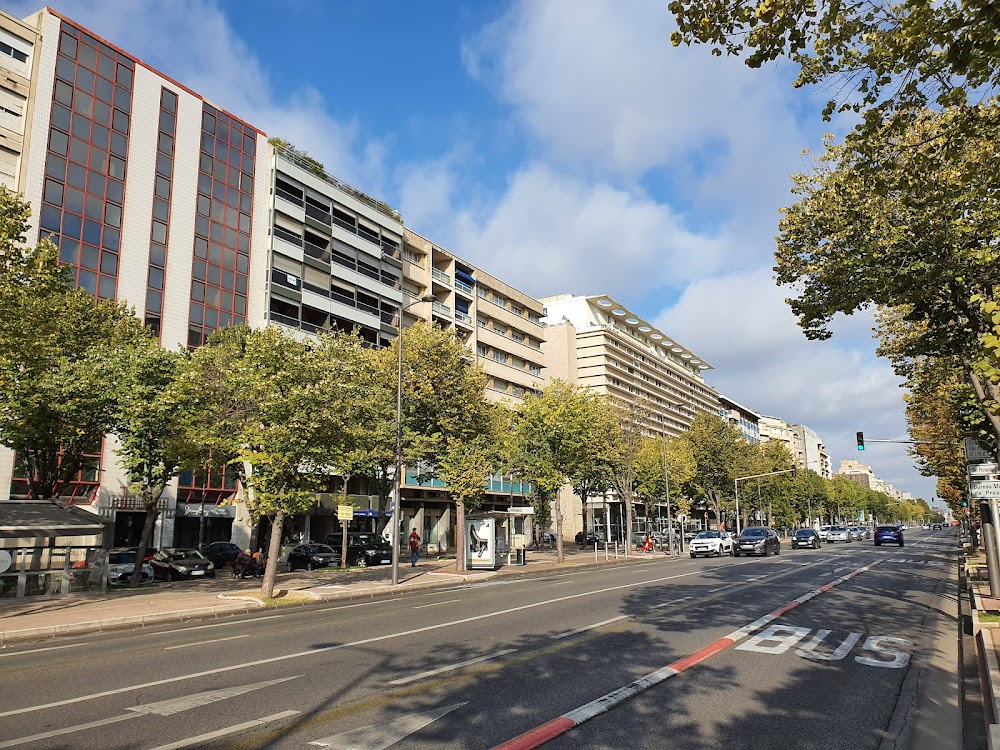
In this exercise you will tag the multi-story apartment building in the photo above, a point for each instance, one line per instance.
(743, 419)
(594, 341)
(802, 442)
(154, 197)
(862, 474)
(501, 326)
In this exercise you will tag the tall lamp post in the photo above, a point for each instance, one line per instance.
(397, 479)
(736, 484)
(666, 491)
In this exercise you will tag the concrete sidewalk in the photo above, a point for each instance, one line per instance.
(41, 617)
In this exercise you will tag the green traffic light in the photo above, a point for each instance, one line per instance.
(861, 441)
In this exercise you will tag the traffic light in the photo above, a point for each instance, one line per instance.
(965, 503)
(795, 471)
(861, 441)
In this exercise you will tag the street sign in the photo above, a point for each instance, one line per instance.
(974, 451)
(521, 510)
(983, 489)
(345, 512)
(984, 469)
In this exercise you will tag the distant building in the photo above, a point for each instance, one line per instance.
(802, 442)
(743, 419)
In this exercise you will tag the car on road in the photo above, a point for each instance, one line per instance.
(712, 543)
(363, 548)
(937, 527)
(858, 533)
(838, 534)
(926, 527)
(312, 557)
(221, 553)
(806, 538)
(757, 540)
(121, 564)
(888, 535)
(175, 563)
(823, 532)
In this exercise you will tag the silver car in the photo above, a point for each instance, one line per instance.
(838, 534)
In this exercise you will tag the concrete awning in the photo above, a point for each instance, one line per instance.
(33, 518)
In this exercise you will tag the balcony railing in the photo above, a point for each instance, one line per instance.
(459, 284)
(440, 275)
(464, 317)
(441, 308)
(290, 197)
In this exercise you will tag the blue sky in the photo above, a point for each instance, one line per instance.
(562, 146)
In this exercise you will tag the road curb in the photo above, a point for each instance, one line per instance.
(117, 623)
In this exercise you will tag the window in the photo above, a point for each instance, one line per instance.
(534, 370)
(500, 357)
(481, 350)
(517, 310)
(499, 300)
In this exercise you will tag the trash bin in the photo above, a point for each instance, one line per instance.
(520, 558)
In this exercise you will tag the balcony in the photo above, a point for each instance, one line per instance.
(463, 287)
(464, 318)
(441, 309)
(439, 275)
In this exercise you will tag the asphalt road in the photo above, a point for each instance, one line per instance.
(870, 663)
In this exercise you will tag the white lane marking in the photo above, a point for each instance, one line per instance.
(364, 641)
(216, 625)
(160, 708)
(568, 633)
(756, 578)
(808, 651)
(451, 667)
(435, 604)
(351, 606)
(672, 601)
(381, 736)
(202, 643)
(201, 739)
(37, 650)
(66, 730)
(723, 588)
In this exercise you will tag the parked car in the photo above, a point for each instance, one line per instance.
(590, 538)
(806, 538)
(937, 527)
(221, 553)
(888, 535)
(548, 537)
(174, 563)
(313, 556)
(363, 548)
(926, 527)
(757, 540)
(824, 532)
(714, 543)
(838, 534)
(121, 564)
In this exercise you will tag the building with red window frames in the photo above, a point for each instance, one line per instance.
(155, 197)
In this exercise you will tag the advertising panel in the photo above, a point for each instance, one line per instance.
(480, 543)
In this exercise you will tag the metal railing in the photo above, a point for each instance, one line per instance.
(440, 275)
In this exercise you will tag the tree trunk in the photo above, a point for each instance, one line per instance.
(559, 527)
(460, 535)
(273, 553)
(147, 534)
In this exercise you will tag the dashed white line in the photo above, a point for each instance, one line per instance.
(37, 650)
(568, 633)
(435, 604)
(201, 739)
(202, 643)
(451, 667)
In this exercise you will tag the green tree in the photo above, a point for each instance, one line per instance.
(446, 417)
(882, 57)
(274, 407)
(559, 439)
(58, 394)
(627, 434)
(150, 426)
(663, 461)
(721, 455)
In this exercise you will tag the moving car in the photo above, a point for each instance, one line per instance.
(312, 556)
(715, 543)
(838, 534)
(221, 553)
(823, 531)
(888, 535)
(757, 540)
(363, 548)
(121, 564)
(174, 563)
(937, 527)
(858, 533)
(806, 538)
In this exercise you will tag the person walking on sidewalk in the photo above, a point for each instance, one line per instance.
(414, 547)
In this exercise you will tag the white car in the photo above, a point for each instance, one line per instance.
(711, 543)
(823, 532)
(838, 534)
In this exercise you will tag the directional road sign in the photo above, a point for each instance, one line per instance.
(984, 469)
(981, 489)
(976, 452)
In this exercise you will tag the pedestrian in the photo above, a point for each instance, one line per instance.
(414, 547)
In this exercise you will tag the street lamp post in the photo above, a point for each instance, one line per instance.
(397, 479)
(736, 486)
(666, 491)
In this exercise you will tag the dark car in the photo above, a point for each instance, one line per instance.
(175, 563)
(221, 553)
(757, 540)
(363, 548)
(888, 535)
(121, 564)
(590, 538)
(313, 556)
(806, 538)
